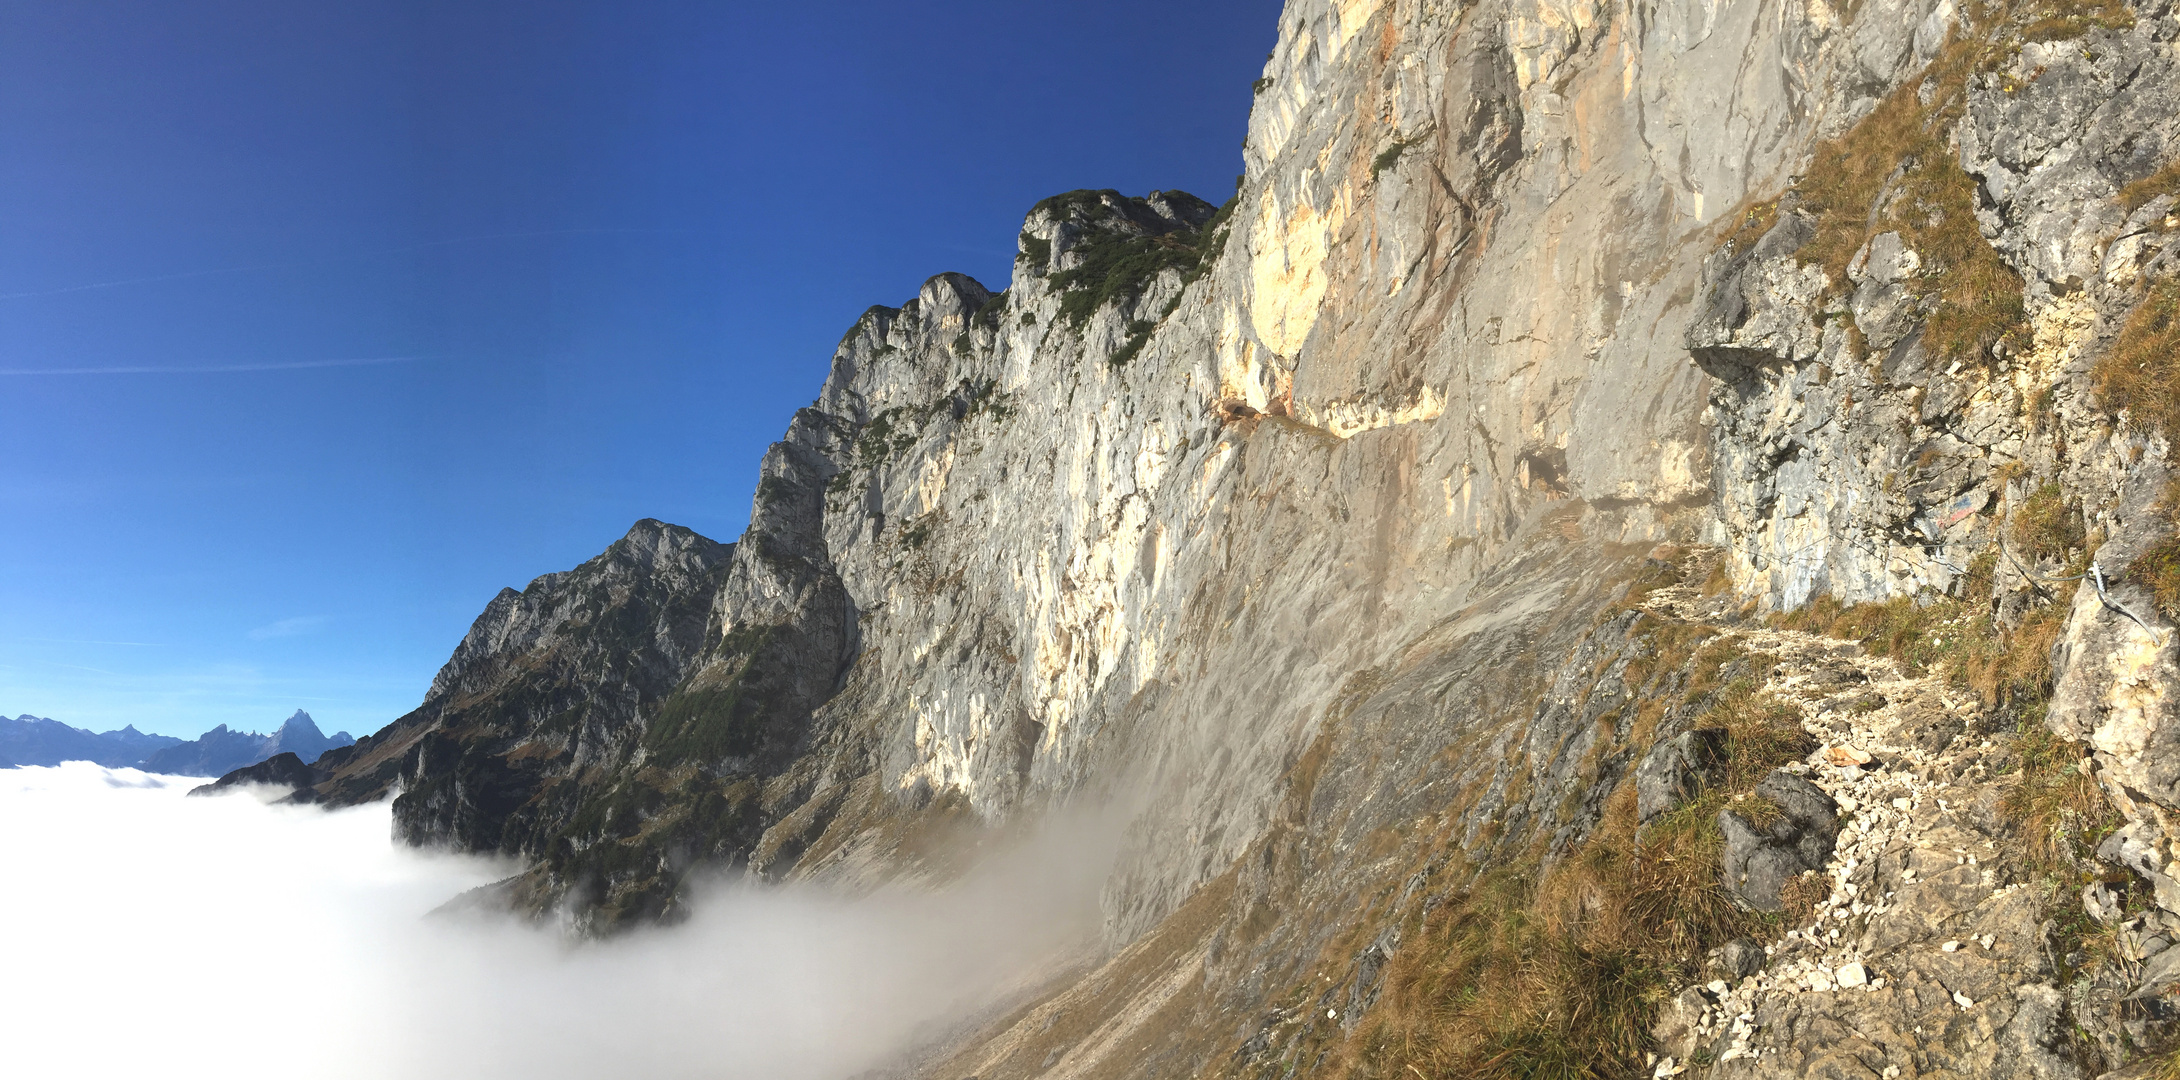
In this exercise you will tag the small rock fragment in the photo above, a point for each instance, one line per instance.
(1846, 757)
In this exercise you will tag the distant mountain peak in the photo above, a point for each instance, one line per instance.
(36, 740)
(222, 749)
(299, 724)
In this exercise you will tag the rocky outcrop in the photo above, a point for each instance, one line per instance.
(282, 770)
(1758, 862)
(1896, 402)
(1675, 770)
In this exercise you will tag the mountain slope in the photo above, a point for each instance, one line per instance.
(1325, 532)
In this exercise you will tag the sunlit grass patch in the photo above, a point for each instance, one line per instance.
(2141, 375)
(1896, 172)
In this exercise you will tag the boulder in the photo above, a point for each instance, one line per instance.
(1760, 861)
(1674, 769)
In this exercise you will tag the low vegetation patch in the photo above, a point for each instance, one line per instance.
(2061, 812)
(2141, 375)
(1036, 251)
(1387, 157)
(1560, 972)
(2165, 181)
(1897, 172)
(2158, 569)
(2070, 19)
(1955, 639)
(2044, 526)
(1117, 258)
(1118, 266)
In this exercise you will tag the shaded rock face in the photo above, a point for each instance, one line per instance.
(1674, 769)
(282, 770)
(1305, 528)
(549, 681)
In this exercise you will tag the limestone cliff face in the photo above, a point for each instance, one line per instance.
(1304, 526)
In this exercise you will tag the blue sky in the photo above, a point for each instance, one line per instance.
(319, 323)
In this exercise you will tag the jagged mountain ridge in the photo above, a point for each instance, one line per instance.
(34, 740)
(1316, 524)
(221, 750)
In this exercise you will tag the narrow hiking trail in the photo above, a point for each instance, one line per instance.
(1932, 953)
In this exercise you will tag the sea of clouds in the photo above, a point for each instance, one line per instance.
(153, 935)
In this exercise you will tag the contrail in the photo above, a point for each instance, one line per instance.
(331, 259)
(219, 369)
(83, 641)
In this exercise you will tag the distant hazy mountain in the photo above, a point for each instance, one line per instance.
(222, 750)
(33, 740)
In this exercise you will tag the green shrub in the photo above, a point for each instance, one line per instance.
(1387, 158)
(1119, 266)
(1037, 251)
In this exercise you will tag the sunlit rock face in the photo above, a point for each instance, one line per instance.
(1295, 527)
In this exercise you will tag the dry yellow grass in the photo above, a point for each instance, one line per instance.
(2165, 181)
(1896, 172)
(2142, 372)
(2068, 20)
(1559, 973)
(2060, 810)
(2045, 526)
(2158, 569)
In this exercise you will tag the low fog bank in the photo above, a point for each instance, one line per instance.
(151, 935)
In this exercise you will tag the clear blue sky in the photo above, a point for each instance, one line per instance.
(321, 322)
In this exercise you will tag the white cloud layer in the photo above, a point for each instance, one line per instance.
(149, 935)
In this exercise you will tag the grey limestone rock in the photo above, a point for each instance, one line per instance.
(1760, 861)
(1674, 769)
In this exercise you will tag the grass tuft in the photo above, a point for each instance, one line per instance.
(2165, 181)
(1896, 171)
(2045, 527)
(2071, 19)
(2141, 375)
(2061, 812)
(2158, 569)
